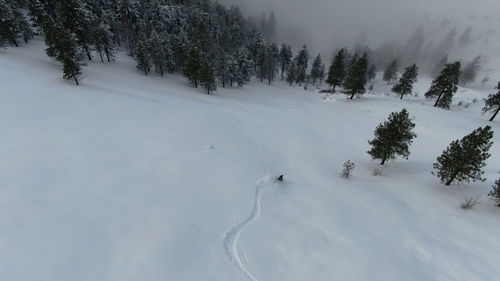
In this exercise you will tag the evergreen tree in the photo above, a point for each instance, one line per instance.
(143, 56)
(492, 103)
(302, 62)
(391, 71)
(272, 62)
(262, 61)
(223, 67)
(285, 58)
(73, 59)
(350, 60)
(157, 52)
(316, 69)
(469, 74)
(168, 49)
(291, 73)
(22, 25)
(445, 85)
(393, 137)
(322, 74)
(405, 83)
(207, 77)
(241, 67)
(38, 12)
(371, 73)
(336, 74)
(63, 46)
(495, 192)
(103, 41)
(193, 64)
(355, 82)
(76, 17)
(464, 159)
(7, 24)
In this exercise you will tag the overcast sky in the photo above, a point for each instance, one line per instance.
(325, 24)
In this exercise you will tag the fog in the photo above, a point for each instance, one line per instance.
(328, 24)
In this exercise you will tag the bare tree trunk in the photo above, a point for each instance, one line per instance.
(437, 101)
(100, 55)
(88, 53)
(107, 56)
(495, 115)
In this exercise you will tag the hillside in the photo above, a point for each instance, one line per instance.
(128, 177)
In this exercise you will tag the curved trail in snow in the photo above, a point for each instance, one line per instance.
(233, 234)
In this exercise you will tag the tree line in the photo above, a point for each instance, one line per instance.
(211, 45)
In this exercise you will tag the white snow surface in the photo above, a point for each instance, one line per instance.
(128, 177)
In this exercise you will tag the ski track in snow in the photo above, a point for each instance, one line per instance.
(233, 234)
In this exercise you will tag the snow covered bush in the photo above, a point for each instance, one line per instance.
(348, 167)
(469, 203)
(495, 192)
(379, 171)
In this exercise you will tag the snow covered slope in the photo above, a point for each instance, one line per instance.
(143, 178)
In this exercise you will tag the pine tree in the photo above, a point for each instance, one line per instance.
(240, 67)
(391, 71)
(223, 68)
(336, 74)
(350, 60)
(262, 61)
(143, 56)
(272, 62)
(405, 83)
(469, 74)
(207, 77)
(102, 38)
(168, 50)
(72, 60)
(22, 25)
(371, 73)
(63, 46)
(74, 16)
(393, 137)
(291, 73)
(316, 69)
(7, 24)
(193, 64)
(492, 103)
(285, 58)
(445, 85)
(495, 192)
(355, 82)
(322, 73)
(302, 62)
(464, 159)
(157, 52)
